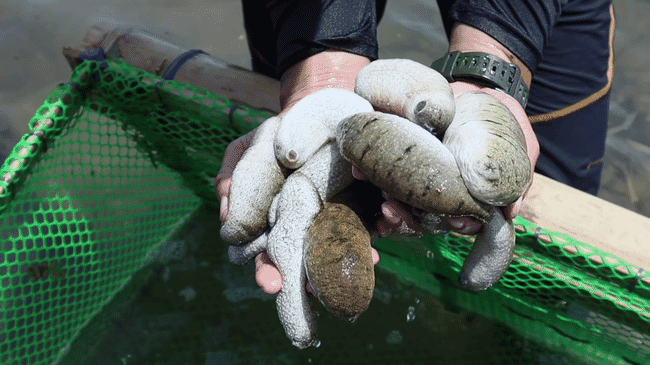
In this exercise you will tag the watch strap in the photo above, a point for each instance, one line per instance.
(484, 68)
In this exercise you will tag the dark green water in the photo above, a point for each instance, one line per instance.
(201, 309)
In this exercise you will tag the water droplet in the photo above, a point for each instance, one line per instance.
(430, 255)
(309, 360)
(410, 317)
(370, 347)
(317, 344)
(394, 338)
(410, 314)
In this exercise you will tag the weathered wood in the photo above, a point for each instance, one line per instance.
(149, 52)
(549, 204)
(606, 226)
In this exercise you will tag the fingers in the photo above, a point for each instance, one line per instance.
(397, 219)
(269, 279)
(267, 275)
(233, 154)
(375, 257)
(465, 225)
(223, 191)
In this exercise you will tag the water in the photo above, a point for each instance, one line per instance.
(214, 313)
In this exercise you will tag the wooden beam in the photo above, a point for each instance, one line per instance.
(149, 52)
(606, 226)
(549, 204)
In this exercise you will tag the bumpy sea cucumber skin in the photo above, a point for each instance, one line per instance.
(255, 181)
(338, 261)
(328, 171)
(408, 163)
(298, 205)
(399, 157)
(311, 123)
(242, 254)
(300, 200)
(492, 253)
(490, 149)
(408, 88)
(291, 214)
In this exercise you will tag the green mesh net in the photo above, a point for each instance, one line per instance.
(109, 254)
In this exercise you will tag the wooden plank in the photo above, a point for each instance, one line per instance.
(149, 52)
(549, 204)
(606, 226)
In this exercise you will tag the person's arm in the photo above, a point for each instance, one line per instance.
(327, 69)
(465, 38)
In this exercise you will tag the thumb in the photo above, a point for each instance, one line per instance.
(231, 157)
(223, 183)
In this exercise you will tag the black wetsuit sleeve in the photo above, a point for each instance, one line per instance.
(524, 27)
(284, 32)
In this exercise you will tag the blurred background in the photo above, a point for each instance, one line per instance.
(32, 33)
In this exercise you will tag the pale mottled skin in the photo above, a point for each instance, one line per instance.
(328, 171)
(311, 123)
(255, 181)
(490, 149)
(298, 205)
(492, 253)
(338, 261)
(408, 88)
(291, 215)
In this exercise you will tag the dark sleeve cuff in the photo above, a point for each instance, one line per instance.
(305, 28)
(523, 27)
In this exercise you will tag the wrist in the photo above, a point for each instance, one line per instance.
(465, 38)
(328, 69)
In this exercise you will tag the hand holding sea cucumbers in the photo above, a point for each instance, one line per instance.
(441, 189)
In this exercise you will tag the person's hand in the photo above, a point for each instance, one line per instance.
(231, 157)
(397, 218)
(329, 69)
(466, 38)
(532, 145)
(267, 275)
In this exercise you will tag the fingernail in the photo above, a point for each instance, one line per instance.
(390, 214)
(457, 224)
(357, 174)
(515, 209)
(375, 257)
(223, 209)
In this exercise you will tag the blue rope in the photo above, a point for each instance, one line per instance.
(179, 61)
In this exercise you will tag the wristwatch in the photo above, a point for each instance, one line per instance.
(486, 69)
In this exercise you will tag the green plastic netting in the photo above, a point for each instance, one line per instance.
(112, 190)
